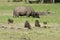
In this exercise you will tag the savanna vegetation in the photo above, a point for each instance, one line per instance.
(53, 20)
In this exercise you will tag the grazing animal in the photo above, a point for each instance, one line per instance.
(10, 21)
(37, 23)
(25, 11)
(35, 14)
(27, 25)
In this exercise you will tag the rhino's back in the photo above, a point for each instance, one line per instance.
(20, 9)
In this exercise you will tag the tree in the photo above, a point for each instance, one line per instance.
(42, 1)
(53, 1)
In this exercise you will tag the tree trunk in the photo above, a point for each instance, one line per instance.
(42, 1)
(27, 1)
(53, 1)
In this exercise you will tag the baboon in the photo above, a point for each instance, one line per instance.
(10, 21)
(45, 22)
(37, 23)
(45, 26)
(27, 25)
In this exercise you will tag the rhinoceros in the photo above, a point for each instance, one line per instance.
(25, 11)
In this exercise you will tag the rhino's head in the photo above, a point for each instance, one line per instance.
(35, 14)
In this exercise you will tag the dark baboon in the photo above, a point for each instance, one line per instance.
(45, 22)
(27, 25)
(37, 23)
(45, 26)
(10, 21)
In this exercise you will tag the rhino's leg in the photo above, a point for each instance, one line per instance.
(28, 14)
(15, 15)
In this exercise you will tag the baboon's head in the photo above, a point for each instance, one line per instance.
(27, 25)
(10, 21)
(37, 23)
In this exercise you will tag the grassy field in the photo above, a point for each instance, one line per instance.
(6, 11)
(53, 33)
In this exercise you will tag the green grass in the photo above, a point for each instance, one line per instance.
(6, 11)
(35, 34)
